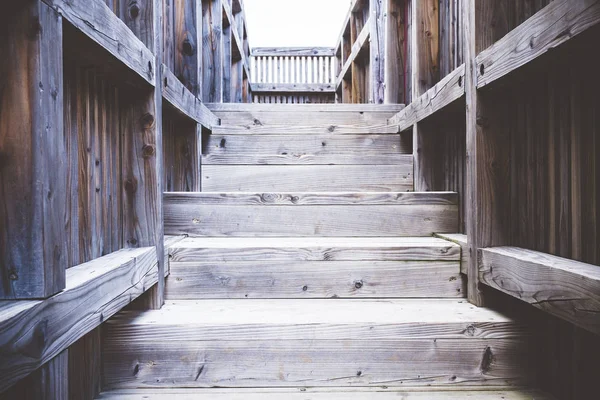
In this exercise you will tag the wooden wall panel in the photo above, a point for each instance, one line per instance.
(181, 144)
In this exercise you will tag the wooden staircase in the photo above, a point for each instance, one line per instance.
(310, 272)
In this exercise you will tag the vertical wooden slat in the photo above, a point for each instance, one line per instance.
(169, 45)
(186, 39)
(212, 48)
(377, 52)
(33, 172)
(85, 366)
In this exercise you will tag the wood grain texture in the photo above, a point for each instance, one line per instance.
(33, 332)
(565, 288)
(320, 198)
(292, 51)
(187, 59)
(181, 165)
(355, 393)
(303, 145)
(287, 129)
(308, 220)
(85, 366)
(448, 90)
(293, 87)
(324, 279)
(212, 48)
(318, 108)
(426, 70)
(461, 240)
(279, 363)
(315, 249)
(334, 178)
(33, 178)
(49, 382)
(547, 29)
(100, 24)
(292, 159)
(184, 100)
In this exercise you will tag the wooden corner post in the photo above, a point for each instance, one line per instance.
(33, 169)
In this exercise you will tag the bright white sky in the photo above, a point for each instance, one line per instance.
(292, 23)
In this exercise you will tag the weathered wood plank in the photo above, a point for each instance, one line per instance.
(300, 220)
(426, 54)
(212, 48)
(85, 366)
(320, 198)
(292, 51)
(33, 332)
(281, 363)
(317, 279)
(461, 240)
(446, 91)
(380, 178)
(33, 178)
(362, 39)
(565, 288)
(331, 159)
(302, 145)
(330, 129)
(550, 27)
(100, 24)
(354, 393)
(183, 100)
(315, 249)
(376, 70)
(313, 108)
(186, 66)
(293, 87)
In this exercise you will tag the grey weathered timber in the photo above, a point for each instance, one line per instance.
(292, 51)
(316, 279)
(306, 159)
(33, 176)
(182, 99)
(333, 178)
(313, 108)
(185, 214)
(550, 27)
(315, 249)
(461, 240)
(212, 47)
(377, 52)
(259, 344)
(293, 87)
(565, 288)
(99, 23)
(188, 44)
(362, 38)
(305, 145)
(446, 91)
(330, 129)
(34, 331)
(355, 393)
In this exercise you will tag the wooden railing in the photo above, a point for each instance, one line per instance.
(293, 75)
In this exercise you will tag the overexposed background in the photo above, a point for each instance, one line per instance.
(295, 23)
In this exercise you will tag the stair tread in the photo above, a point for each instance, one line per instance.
(313, 311)
(356, 393)
(281, 242)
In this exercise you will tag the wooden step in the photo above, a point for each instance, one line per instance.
(257, 115)
(307, 178)
(304, 129)
(315, 249)
(358, 393)
(279, 343)
(304, 145)
(310, 214)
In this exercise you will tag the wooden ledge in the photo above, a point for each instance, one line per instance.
(553, 25)
(445, 92)
(565, 288)
(183, 100)
(294, 87)
(99, 23)
(461, 240)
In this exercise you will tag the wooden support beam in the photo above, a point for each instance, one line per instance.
(362, 38)
(212, 48)
(293, 87)
(565, 288)
(99, 23)
(85, 366)
(550, 27)
(32, 332)
(33, 176)
(425, 47)
(293, 51)
(445, 92)
(184, 101)
(396, 63)
(187, 44)
(376, 70)
(49, 382)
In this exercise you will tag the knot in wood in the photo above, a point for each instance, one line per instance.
(147, 120)
(188, 47)
(130, 185)
(358, 284)
(268, 197)
(148, 150)
(134, 10)
(304, 288)
(13, 276)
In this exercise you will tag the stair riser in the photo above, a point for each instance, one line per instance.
(325, 279)
(279, 221)
(278, 363)
(299, 145)
(307, 178)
